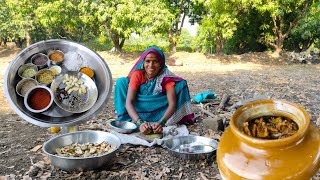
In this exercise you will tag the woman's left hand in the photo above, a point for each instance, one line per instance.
(157, 128)
(145, 128)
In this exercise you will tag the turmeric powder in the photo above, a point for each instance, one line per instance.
(87, 71)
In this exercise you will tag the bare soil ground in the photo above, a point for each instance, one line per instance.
(241, 77)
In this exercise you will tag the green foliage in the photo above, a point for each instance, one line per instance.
(231, 26)
(306, 33)
(40, 33)
(245, 37)
(16, 16)
(5, 16)
(102, 43)
(118, 16)
(178, 9)
(121, 18)
(197, 11)
(205, 41)
(156, 18)
(219, 24)
(139, 43)
(186, 41)
(284, 16)
(61, 19)
(317, 44)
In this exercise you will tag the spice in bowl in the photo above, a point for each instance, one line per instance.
(56, 70)
(40, 60)
(38, 99)
(87, 71)
(24, 85)
(56, 56)
(27, 70)
(45, 76)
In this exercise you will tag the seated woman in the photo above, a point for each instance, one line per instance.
(151, 95)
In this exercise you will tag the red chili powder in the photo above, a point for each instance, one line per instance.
(39, 99)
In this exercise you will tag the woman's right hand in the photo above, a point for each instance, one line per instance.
(145, 128)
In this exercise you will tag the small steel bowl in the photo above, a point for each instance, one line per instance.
(29, 95)
(56, 56)
(191, 147)
(23, 67)
(81, 137)
(123, 126)
(43, 62)
(25, 85)
(58, 70)
(40, 73)
(84, 72)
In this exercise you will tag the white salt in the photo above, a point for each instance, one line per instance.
(74, 61)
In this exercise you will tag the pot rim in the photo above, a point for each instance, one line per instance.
(303, 126)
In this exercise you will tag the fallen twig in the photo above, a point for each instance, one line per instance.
(75, 176)
(206, 112)
(225, 99)
(36, 148)
(203, 176)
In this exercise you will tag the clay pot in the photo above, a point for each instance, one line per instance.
(240, 156)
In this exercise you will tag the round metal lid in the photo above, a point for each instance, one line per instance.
(56, 116)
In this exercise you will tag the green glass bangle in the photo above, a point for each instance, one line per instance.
(162, 123)
(138, 121)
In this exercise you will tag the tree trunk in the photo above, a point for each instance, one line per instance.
(278, 45)
(175, 29)
(19, 42)
(122, 43)
(172, 41)
(116, 48)
(4, 40)
(115, 37)
(279, 27)
(306, 45)
(173, 46)
(116, 42)
(219, 43)
(277, 52)
(28, 37)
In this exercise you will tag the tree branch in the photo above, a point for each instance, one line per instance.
(281, 27)
(272, 44)
(182, 21)
(294, 23)
(274, 20)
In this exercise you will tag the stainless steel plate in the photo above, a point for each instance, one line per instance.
(192, 147)
(86, 101)
(55, 116)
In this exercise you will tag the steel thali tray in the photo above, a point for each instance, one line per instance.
(56, 116)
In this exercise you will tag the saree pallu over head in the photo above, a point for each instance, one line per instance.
(151, 101)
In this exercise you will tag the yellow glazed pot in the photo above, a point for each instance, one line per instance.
(240, 156)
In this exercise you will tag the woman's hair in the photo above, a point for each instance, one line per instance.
(158, 51)
(151, 49)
